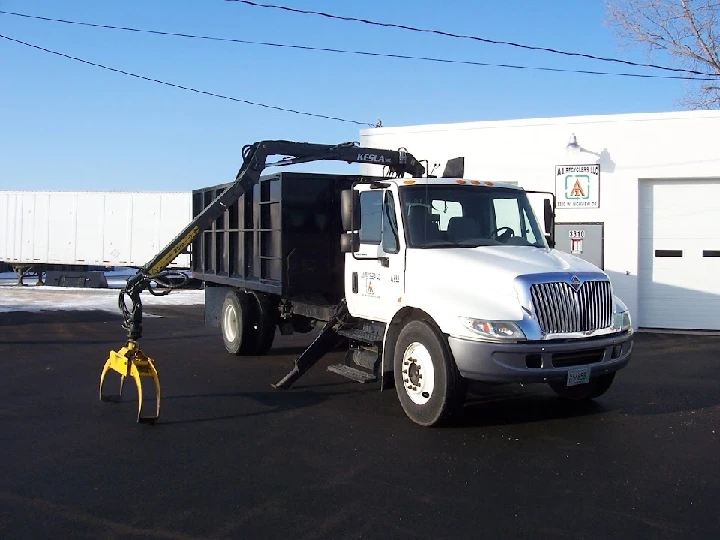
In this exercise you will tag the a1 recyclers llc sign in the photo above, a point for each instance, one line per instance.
(577, 186)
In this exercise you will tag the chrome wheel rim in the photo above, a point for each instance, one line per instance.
(418, 373)
(230, 322)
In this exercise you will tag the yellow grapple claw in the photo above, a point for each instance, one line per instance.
(131, 361)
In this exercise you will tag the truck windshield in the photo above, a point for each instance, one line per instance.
(468, 216)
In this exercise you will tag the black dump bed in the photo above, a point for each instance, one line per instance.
(283, 238)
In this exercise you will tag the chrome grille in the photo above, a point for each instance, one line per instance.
(560, 309)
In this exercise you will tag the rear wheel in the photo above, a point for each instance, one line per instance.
(266, 319)
(596, 387)
(428, 384)
(237, 325)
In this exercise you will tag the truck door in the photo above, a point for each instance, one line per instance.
(374, 274)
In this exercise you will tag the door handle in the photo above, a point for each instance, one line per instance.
(384, 261)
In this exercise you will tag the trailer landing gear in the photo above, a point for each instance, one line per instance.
(131, 361)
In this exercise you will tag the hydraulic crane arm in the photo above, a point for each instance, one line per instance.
(130, 361)
(254, 162)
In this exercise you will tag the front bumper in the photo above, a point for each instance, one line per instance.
(540, 361)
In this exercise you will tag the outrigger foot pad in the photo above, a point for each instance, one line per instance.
(131, 361)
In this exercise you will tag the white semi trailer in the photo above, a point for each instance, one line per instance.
(42, 231)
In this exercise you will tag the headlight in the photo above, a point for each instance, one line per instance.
(493, 329)
(621, 315)
(621, 321)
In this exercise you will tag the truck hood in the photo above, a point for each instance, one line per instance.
(507, 262)
(480, 281)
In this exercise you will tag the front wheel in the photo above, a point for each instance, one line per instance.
(596, 387)
(428, 384)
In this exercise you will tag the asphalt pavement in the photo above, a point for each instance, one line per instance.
(231, 457)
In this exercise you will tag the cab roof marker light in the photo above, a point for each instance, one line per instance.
(489, 184)
(460, 182)
(475, 182)
(409, 182)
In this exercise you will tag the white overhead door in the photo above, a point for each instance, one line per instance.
(679, 254)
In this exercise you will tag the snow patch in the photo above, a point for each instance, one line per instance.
(32, 298)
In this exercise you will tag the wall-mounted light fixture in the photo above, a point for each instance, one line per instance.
(573, 147)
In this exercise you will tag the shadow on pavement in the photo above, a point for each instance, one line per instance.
(285, 351)
(521, 405)
(115, 343)
(273, 401)
(17, 318)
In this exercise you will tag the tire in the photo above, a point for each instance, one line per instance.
(582, 392)
(237, 324)
(421, 349)
(266, 319)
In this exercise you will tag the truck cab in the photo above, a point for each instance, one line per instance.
(467, 286)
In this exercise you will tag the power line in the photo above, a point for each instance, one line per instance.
(187, 88)
(465, 36)
(343, 51)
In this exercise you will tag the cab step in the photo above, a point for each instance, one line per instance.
(352, 373)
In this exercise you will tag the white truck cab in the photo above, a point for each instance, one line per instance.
(466, 285)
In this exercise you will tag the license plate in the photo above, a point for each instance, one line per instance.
(578, 376)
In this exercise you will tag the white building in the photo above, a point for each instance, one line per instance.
(659, 195)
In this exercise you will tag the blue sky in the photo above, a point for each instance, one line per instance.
(69, 126)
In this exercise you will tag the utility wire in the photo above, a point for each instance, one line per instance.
(181, 87)
(343, 51)
(465, 36)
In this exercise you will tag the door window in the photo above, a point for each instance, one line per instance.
(371, 203)
(389, 228)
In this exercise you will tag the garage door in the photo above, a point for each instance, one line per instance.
(679, 254)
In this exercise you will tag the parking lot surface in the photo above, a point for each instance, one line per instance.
(231, 457)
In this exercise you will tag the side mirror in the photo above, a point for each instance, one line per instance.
(549, 215)
(550, 240)
(349, 242)
(350, 209)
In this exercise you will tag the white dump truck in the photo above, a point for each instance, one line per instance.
(429, 282)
